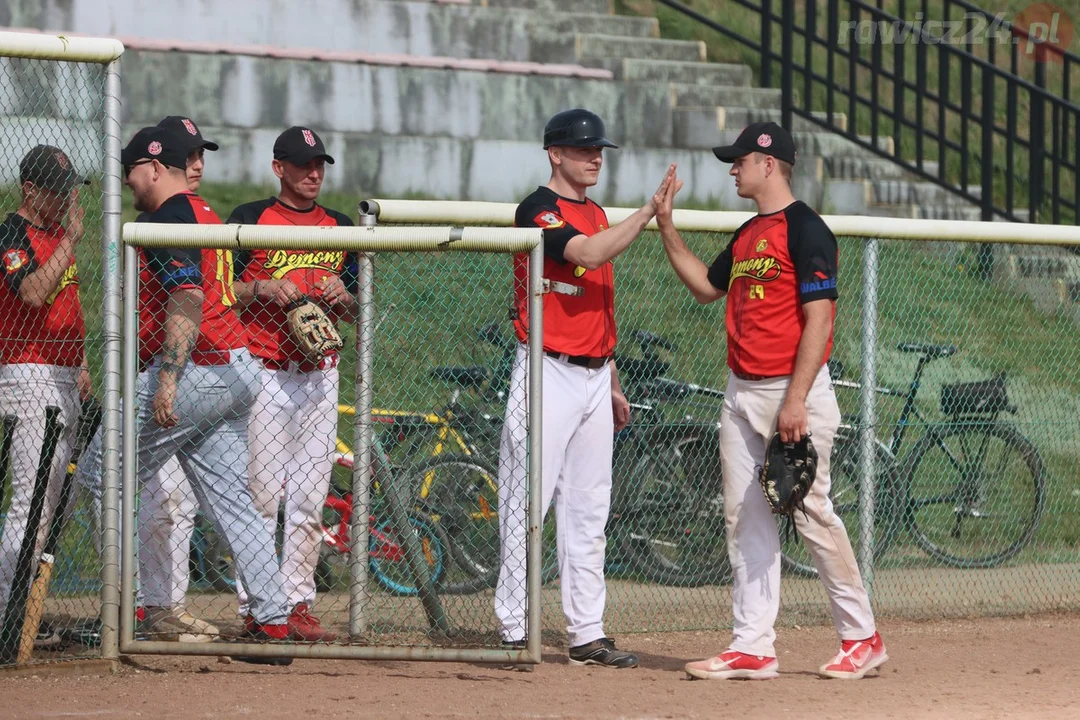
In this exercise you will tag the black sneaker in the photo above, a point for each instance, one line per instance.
(602, 652)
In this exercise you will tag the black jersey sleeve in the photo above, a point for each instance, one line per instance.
(720, 271)
(814, 252)
(17, 253)
(176, 268)
(533, 212)
(249, 213)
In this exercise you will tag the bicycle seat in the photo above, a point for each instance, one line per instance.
(471, 376)
(933, 351)
(836, 369)
(648, 339)
(636, 370)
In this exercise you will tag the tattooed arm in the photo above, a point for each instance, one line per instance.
(182, 318)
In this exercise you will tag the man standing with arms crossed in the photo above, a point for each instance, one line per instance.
(42, 359)
(294, 420)
(195, 397)
(583, 401)
(779, 273)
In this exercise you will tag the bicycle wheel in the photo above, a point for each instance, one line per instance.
(210, 560)
(672, 522)
(976, 491)
(387, 560)
(845, 473)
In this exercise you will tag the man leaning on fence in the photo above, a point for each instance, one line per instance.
(779, 275)
(42, 359)
(197, 392)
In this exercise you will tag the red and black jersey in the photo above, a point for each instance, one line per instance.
(573, 324)
(268, 331)
(53, 333)
(166, 270)
(774, 264)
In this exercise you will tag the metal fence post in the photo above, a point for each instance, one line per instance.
(361, 470)
(110, 452)
(535, 508)
(867, 430)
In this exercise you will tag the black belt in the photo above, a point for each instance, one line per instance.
(593, 363)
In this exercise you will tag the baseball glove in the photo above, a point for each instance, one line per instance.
(788, 474)
(313, 332)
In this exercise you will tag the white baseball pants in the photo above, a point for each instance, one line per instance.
(578, 433)
(291, 437)
(25, 391)
(747, 422)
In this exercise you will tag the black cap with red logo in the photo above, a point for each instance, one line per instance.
(763, 137)
(155, 143)
(186, 129)
(49, 167)
(300, 145)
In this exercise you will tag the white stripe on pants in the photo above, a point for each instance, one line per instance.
(26, 389)
(578, 433)
(291, 439)
(747, 422)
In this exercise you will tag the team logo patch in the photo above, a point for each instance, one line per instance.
(309, 137)
(190, 126)
(762, 269)
(764, 140)
(154, 148)
(15, 259)
(549, 221)
(62, 161)
(761, 245)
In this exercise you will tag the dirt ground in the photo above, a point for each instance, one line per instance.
(989, 668)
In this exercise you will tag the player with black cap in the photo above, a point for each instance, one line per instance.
(201, 380)
(42, 359)
(583, 402)
(294, 420)
(186, 129)
(779, 275)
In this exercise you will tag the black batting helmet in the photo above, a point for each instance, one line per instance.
(576, 128)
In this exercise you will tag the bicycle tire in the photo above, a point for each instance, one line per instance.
(436, 551)
(671, 526)
(973, 498)
(461, 493)
(845, 473)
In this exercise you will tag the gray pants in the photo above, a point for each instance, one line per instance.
(211, 442)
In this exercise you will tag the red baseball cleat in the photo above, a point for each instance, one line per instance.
(305, 627)
(856, 658)
(734, 665)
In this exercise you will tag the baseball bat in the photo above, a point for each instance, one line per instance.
(89, 420)
(10, 423)
(11, 633)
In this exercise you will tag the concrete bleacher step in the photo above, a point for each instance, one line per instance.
(697, 125)
(901, 192)
(916, 200)
(702, 128)
(683, 95)
(852, 167)
(579, 23)
(687, 73)
(552, 7)
(590, 46)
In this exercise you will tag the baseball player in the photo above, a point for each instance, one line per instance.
(294, 420)
(42, 359)
(779, 273)
(167, 504)
(583, 401)
(195, 397)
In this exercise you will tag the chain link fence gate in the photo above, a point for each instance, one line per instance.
(388, 580)
(60, 200)
(971, 511)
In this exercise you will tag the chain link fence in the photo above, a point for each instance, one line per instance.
(57, 106)
(975, 503)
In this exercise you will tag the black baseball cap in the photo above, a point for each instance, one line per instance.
(186, 129)
(49, 168)
(763, 137)
(300, 145)
(155, 143)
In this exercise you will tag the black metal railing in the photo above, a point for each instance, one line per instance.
(972, 102)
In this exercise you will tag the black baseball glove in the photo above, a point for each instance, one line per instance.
(788, 474)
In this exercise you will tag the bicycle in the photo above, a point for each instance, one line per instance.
(956, 509)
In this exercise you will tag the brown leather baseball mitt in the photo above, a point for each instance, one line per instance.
(312, 330)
